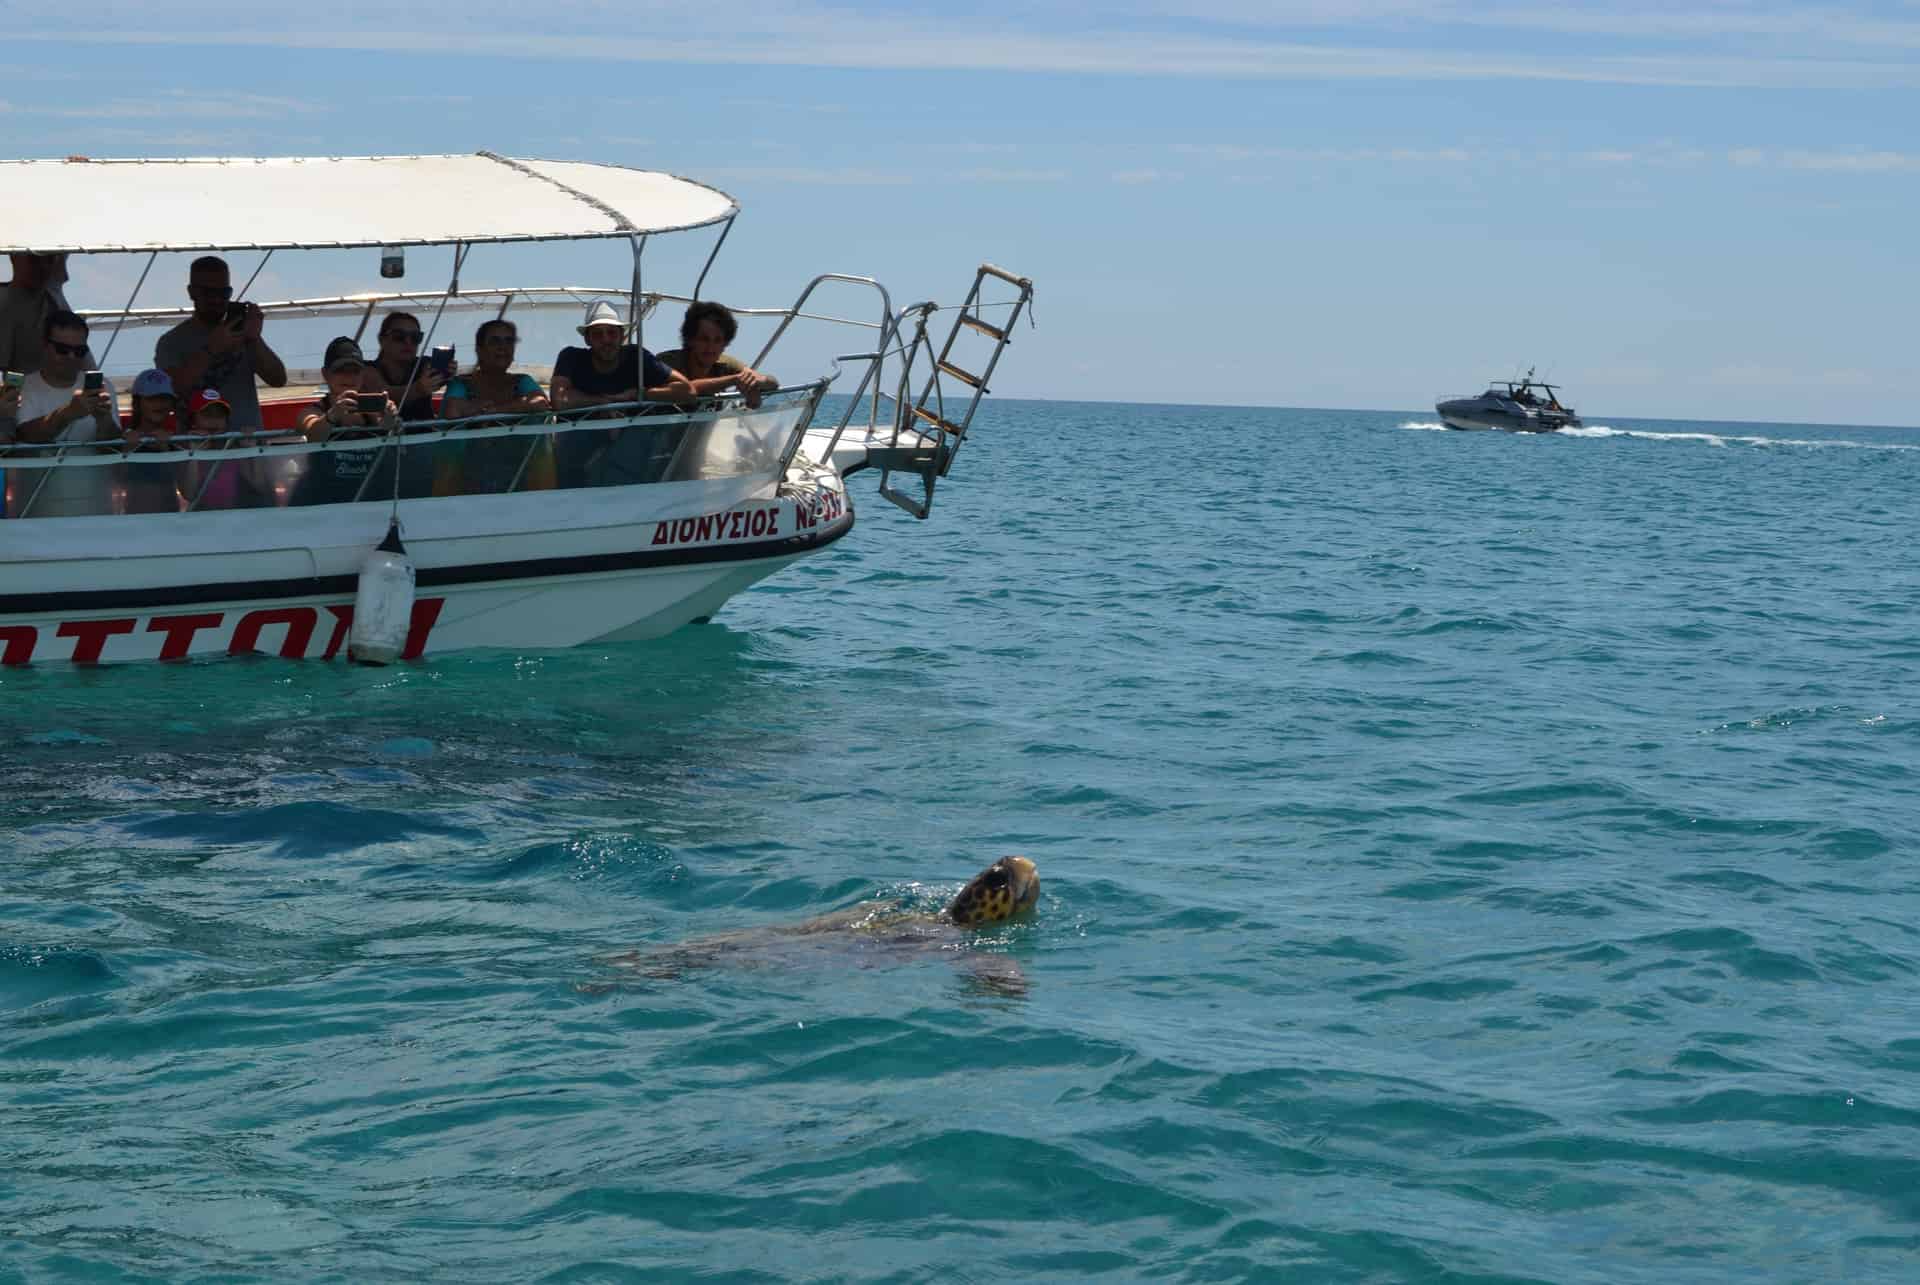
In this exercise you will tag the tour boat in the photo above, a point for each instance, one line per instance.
(739, 490)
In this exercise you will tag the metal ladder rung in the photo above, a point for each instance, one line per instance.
(944, 426)
(971, 380)
(988, 329)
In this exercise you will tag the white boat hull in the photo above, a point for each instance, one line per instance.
(492, 571)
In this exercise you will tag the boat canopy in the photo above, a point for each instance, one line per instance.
(82, 206)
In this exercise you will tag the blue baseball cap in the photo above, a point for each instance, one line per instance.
(152, 383)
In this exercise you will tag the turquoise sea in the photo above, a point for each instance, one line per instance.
(1466, 858)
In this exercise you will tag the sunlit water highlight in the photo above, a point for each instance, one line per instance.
(1466, 857)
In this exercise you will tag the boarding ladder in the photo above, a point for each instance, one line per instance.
(926, 435)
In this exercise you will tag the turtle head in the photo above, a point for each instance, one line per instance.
(1008, 887)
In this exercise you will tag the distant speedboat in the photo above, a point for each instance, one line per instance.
(1510, 405)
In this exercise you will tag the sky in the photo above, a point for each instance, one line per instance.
(1695, 209)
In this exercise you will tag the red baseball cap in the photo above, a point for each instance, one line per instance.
(205, 397)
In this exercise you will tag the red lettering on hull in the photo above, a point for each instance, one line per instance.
(20, 641)
(90, 636)
(180, 631)
(298, 620)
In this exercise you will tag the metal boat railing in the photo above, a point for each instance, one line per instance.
(799, 402)
(889, 406)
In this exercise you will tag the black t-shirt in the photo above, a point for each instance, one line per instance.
(577, 365)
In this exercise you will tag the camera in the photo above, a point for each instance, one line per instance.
(370, 403)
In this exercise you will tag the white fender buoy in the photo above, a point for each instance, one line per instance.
(383, 605)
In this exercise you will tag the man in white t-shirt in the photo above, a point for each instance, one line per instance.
(56, 407)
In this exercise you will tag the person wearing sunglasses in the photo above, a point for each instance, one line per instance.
(400, 371)
(221, 345)
(55, 406)
(409, 381)
(25, 304)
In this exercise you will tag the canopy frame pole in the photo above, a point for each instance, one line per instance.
(128, 310)
(256, 275)
(635, 305)
(399, 446)
(714, 254)
(365, 317)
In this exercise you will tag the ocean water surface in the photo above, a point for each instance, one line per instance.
(1466, 857)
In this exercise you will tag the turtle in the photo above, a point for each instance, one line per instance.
(873, 931)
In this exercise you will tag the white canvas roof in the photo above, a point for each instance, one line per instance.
(84, 206)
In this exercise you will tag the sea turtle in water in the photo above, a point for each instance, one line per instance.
(871, 932)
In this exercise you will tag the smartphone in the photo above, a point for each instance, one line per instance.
(15, 379)
(94, 381)
(370, 403)
(236, 314)
(442, 359)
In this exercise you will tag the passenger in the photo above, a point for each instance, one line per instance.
(399, 364)
(150, 487)
(220, 345)
(152, 410)
(223, 484)
(703, 357)
(400, 373)
(489, 466)
(336, 477)
(28, 300)
(55, 407)
(605, 372)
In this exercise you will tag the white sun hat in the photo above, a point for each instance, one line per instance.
(601, 313)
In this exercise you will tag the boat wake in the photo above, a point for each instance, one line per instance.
(1732, 439)
(1710, 439)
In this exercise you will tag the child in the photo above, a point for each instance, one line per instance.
(150, 487)
(224, 484)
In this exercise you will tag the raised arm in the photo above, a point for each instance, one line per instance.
(51, 425)
(266, 362)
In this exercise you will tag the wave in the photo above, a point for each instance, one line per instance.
(1703, 436)
(1732, 439)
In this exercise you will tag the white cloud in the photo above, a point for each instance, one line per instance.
(803, 175)
(1375, 40)
(1844, 160)
(1009, 176)
(1238, 152)
(178, 103)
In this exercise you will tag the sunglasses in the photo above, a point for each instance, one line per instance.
(67, 350)
(405, 336)
(509, 341)
(212, 292)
